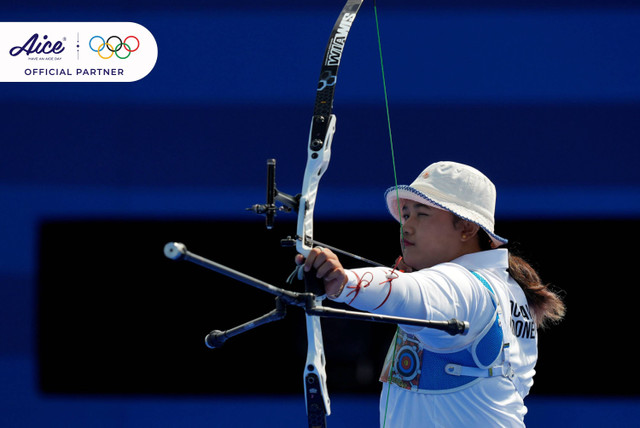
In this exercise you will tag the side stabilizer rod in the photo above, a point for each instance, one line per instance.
(216, 338)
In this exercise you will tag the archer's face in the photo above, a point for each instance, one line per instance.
(429, 235)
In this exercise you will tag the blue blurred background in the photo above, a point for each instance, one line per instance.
(544, 97)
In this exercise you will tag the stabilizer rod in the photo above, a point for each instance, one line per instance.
(216, 338)
(178, 251)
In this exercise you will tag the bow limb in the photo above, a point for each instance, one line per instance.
(323, 126)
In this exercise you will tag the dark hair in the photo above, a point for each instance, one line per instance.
(546, 304)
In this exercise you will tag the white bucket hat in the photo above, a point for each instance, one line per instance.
(454, 187)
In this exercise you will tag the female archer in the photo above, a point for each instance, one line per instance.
(453, 266)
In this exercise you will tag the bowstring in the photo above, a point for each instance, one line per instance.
(395, 175)
(386, 105)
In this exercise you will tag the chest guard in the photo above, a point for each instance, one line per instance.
(410, 366)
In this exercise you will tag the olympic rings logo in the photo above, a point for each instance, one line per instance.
(109, 46)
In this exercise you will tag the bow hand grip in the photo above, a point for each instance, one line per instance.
(313, 284)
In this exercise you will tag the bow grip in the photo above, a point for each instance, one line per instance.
(313, 284)
(318, 156)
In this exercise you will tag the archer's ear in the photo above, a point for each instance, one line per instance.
(467, 229)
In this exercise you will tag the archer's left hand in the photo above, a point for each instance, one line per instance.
(328, 268)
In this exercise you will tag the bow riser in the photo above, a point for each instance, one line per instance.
(318, 157)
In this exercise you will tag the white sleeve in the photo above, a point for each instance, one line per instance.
(385, 291)
(438, 294)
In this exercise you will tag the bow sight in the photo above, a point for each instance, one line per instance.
(269, 209)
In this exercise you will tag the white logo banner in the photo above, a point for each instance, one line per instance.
(75, 51)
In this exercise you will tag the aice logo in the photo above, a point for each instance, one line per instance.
(33, 45)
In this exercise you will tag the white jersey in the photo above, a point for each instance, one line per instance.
(450, 290)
